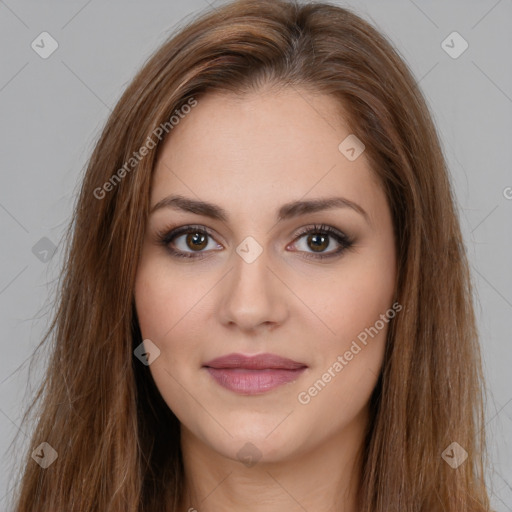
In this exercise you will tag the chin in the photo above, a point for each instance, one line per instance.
(256, 439)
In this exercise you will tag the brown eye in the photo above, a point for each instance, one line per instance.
(188, 241)
(196, 241)
(318, 242)
(321, 241)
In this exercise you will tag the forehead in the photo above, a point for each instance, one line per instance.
(232, 128)
(259, 149)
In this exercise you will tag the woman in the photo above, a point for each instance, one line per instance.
(266, 303)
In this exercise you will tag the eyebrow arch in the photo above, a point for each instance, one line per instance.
(287, 211)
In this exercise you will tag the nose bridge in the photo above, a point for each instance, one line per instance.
(252, 295)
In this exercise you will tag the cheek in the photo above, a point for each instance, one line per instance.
(165, 306)
(341, 383)
(356, 305)
(354, 297)
(165, 299)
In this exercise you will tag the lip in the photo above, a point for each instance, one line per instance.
(251, 375)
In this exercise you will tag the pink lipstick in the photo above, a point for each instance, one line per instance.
(252, 375)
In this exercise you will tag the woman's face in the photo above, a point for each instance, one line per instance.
(271, 329)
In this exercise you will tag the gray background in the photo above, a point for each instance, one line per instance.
(53, 109)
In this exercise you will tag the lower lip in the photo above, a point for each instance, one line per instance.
(253, 382)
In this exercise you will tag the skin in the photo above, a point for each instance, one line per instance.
(250, 155)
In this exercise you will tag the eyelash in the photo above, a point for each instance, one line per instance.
(166, 236)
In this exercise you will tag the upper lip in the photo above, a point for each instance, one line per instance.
(255, 362)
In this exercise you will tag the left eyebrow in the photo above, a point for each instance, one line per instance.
(287, 211)
(296, 208)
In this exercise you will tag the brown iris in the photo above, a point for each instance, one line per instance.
(319, 242)
(196, 241)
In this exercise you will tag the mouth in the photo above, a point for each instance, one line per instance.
(252, 375)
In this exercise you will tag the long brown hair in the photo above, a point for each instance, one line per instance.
(98, 407)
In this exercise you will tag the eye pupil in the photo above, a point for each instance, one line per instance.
(320, 242)
(196, 241)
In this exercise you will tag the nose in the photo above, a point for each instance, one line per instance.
(253, 297)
